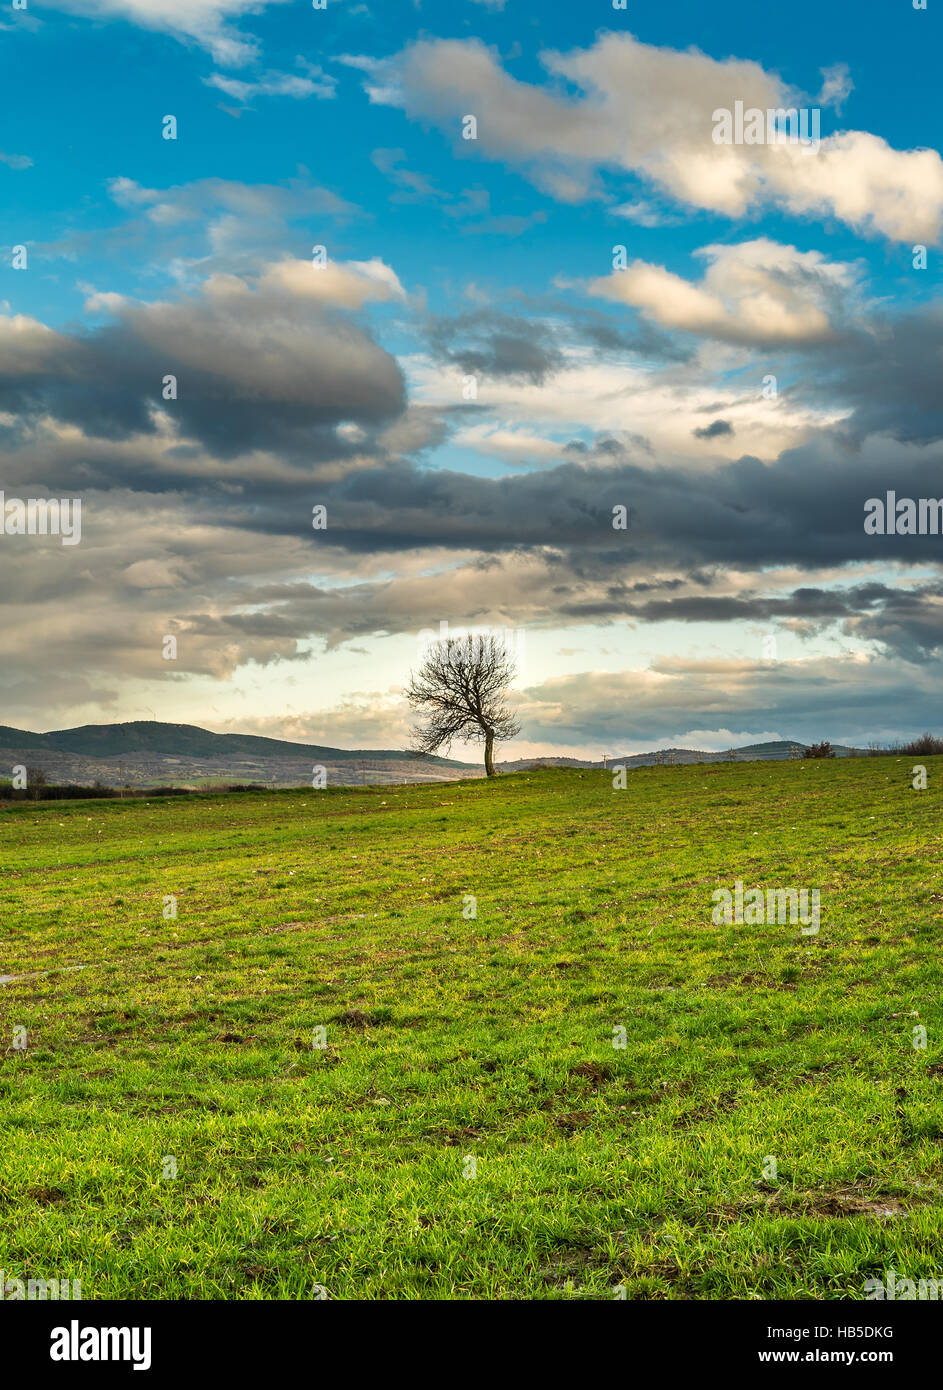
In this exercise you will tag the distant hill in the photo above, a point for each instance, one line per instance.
(188, 741)
(148, 753)
(751, 752)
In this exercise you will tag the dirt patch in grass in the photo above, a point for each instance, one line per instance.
(456, 1138)
(845, 1201)
(592, 1072)
(355, 1018)
(818, 1076)
(853, 1204)
(574, 1121)
(48, 1196)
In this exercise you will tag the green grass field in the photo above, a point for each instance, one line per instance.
(458, 1045)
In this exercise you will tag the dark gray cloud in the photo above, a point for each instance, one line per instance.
(530, 343)
(255, 369)
(627, 332)
(805, 509)
(889, 376)
(489, 343)
(714, 430)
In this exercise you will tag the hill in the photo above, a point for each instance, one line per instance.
(149, 753)
(748, 753)
(187, 741)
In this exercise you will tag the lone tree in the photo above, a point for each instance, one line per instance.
(460, 691)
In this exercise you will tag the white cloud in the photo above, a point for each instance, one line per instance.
(206, 22)
(25, 344)
(222, 224)
(512, 446)
(624, 401)
(349, 284)
(836, 88)
(643, 214)
(756, 292)
(276, 84)
(649, 111)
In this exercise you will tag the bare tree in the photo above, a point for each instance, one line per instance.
(460, 690)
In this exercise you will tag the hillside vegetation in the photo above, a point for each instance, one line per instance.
(468, 1130)
(185, 741)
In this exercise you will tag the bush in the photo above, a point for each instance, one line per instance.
(925, 744)
(819, 750)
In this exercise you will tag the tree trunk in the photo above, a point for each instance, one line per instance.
(489, 753)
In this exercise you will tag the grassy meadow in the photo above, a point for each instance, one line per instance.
(468, 1129)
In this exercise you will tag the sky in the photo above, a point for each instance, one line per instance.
(475, 278)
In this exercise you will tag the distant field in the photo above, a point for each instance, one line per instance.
(457, 1045)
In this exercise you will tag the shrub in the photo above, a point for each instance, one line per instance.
(925, 744)
(819, 750)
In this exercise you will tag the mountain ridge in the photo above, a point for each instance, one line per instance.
(188, 740)
(156, 739)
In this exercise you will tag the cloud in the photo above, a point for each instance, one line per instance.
(472, 208)
(515, 447)
(16, 161)
(286, 399)
(648, 112)
(650, 406)
(691, 703)
(716, 429)
(643, 214)
(836, 88)
(182, 233)
(411, 186)
(223, 558)
(756, 293)
(275, 362)
(205, 22)
(259, 208)
(369, 719)
(276, 84)
(888, 376)
(490, 343)
(348, 285)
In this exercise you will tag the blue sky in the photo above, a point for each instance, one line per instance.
(452, 259)
(85, 98)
